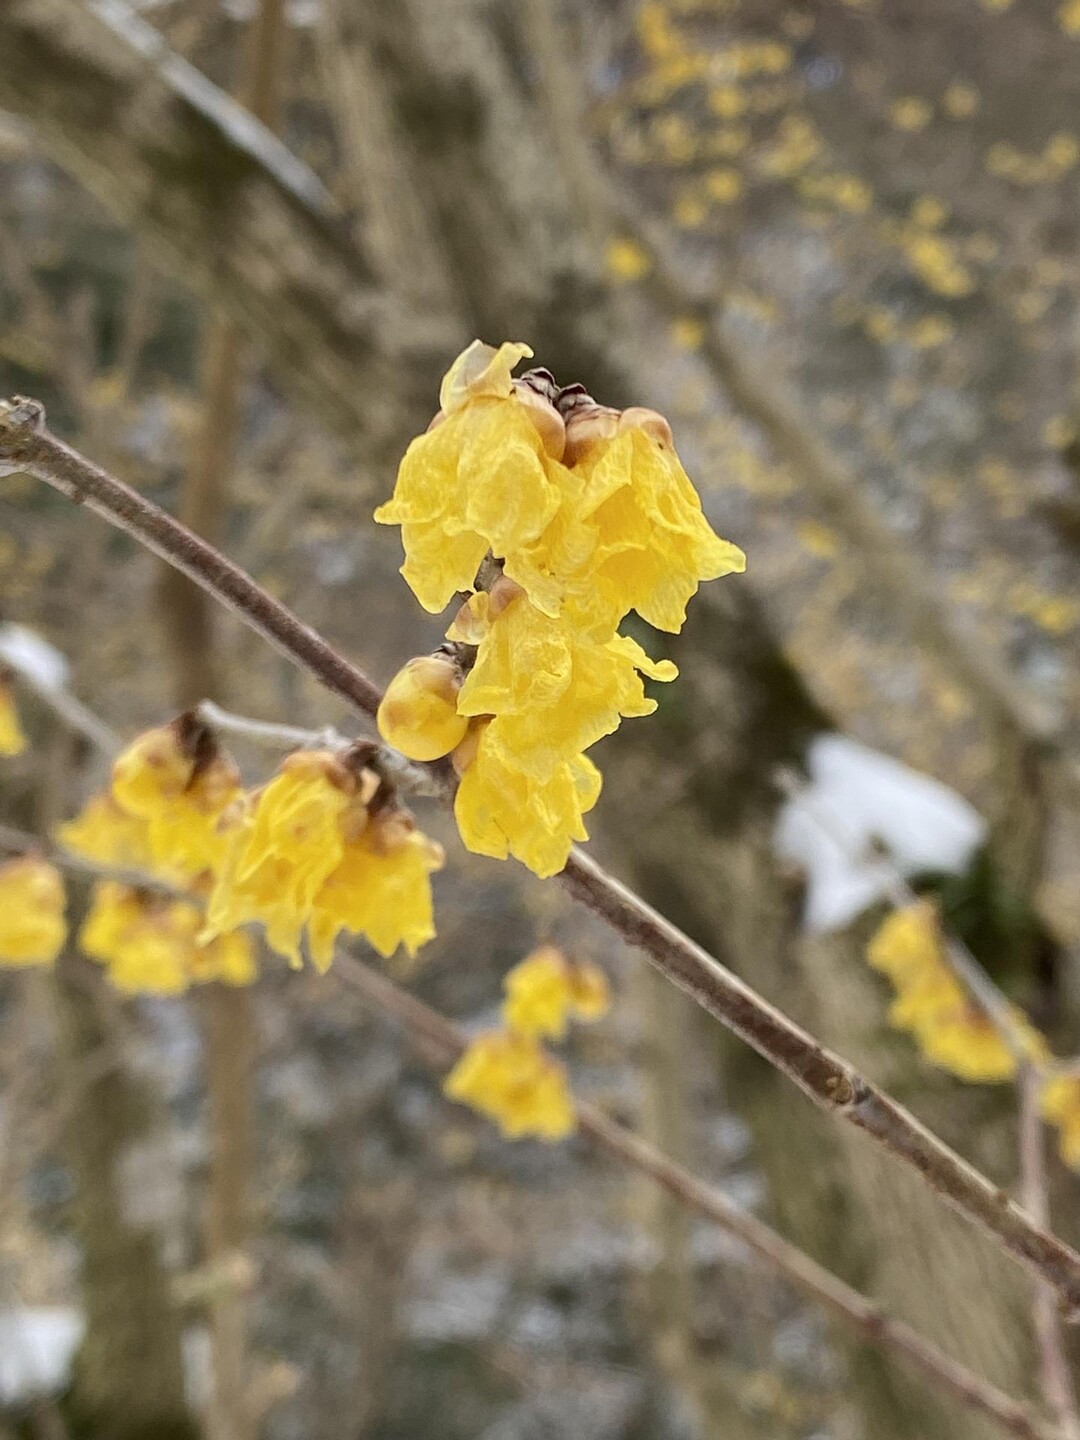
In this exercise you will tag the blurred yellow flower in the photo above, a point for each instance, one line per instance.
(32, 927)
(626, 260)
(513, 1081)
(12, 739)
(933, 1005)
(380, 889)
(545, 989)
(151, 943)
(107, 834)
(284, 843)
(177, 780)
(1060, 1103)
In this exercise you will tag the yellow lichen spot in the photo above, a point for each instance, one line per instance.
(818, 540)
(727, 101)
(1059, 432)
(626, 260)
(690, 211)
(688, 332)
(723, 185)
(32, 927)
(931, 331)
(960, 100)
(513, 1081)
(910, 113)
(12, 739)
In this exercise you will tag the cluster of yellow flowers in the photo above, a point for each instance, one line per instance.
(507, 1074)
(933, 1005)
(952, 1032)
(32, 927)
(12, 739)
(323, 847)
(557, 517)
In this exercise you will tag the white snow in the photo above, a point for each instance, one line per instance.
(25, 651)
(37, 1346)
(856, 797)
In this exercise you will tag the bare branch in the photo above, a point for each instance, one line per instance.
(445, 1041)
(828, 1080)
(66, 706)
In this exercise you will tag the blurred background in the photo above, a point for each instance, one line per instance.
(835, 242)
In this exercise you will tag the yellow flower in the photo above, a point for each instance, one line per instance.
(554, 691)
(502, 811)
(176, 780)
(380, 889)
(481, 479)
(1060, 1103)
(151, 946)
(933, 1004)
(514, 1082)
(642, 539)
(32, 928)
(283, 843)
(418, 714)
(626, 260)
(107, 834)
(12, 739)
(546, 988)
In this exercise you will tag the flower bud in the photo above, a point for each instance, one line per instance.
(588, 426)
(547, 420)
(636, 417)
(418, 714)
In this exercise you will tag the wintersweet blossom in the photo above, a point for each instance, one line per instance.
(501, 810)
(511, 1079)
(560, 516)
(151, 944)
(320, 849)
(1060, 1104)
(933, 1005)
(107, 834)
(178, 781)
(12, 739)
(554, 692)
(546, 989)
(32, 927)
(481, 478)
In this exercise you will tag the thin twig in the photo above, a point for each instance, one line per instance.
(827, 1079)
(1055, 1376)
(269, 732)
(444, 1041)
(60, 701)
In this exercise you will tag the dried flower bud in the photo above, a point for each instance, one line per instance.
(636, 417)
(549, 423)
(588, 426)
(418, 714)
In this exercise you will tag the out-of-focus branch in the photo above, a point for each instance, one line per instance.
(220, 202)
(443, 1042)
(1056, 1379)
(269, 732)
(57, 698)
(827, 1079)
(21, 842)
